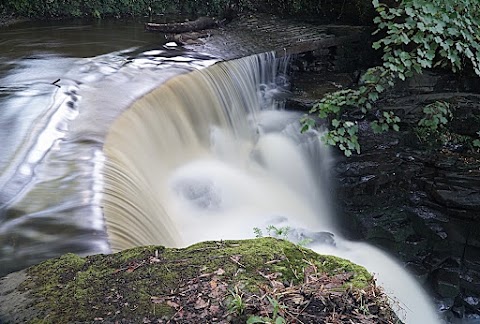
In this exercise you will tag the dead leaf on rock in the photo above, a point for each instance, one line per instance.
(236, 259)
(173, 304)
(157, 300)
(200, 303)
(214, 309)
(297, 299)
(154, 260)
(213, 284)
(308, 271)
(277, 284)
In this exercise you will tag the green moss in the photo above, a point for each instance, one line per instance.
(121, 286)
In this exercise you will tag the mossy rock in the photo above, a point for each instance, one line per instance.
(155, 284)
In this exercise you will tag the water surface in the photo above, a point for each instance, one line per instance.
(61, 86)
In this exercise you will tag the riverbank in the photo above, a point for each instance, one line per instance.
(8, 20)
(416, 197)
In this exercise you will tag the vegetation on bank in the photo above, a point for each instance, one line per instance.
(414, 35)
(359, 11)
(263, 280)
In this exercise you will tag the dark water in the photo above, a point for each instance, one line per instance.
(61, 85)
(74, 39)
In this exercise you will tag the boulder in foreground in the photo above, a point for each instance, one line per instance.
(264, 279)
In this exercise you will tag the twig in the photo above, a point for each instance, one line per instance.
(235, 261)
(171, 318)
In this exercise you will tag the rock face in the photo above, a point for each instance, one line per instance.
(419, 202)
(211, 282)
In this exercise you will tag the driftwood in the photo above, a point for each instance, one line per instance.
(199, 24)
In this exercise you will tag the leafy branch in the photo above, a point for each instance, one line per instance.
(418, 34)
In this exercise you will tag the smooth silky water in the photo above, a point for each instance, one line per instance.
(61, 86)
(208, 156)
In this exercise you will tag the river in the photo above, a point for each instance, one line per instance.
(216, 160)
(61, 85)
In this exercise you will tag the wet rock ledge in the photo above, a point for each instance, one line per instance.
(220, 282)
(418, 199)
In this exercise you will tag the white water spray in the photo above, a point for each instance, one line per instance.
(197, 159)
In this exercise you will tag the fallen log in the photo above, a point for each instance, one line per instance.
(199, 24)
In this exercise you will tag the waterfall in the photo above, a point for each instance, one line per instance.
(210, 155)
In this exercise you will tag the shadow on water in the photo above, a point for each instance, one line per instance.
(75, 38)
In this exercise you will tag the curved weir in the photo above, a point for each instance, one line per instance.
(52, 137)
(209, 155)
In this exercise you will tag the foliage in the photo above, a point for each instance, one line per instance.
(280, 233)
(344, 133)
(235, 302)
(273, 231)
(385, 122)
(433, 127)
(476, 142)
(114, 8)
(355, 11)
(424, 34)
(275, 319)
(417, 34)
(437, 115)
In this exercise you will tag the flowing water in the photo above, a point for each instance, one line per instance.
(208, 155)
(203, 155)
(61, 86)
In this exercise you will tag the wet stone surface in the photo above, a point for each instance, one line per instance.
(418, 201)
(420, 204)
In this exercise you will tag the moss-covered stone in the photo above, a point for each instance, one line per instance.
(125, 286)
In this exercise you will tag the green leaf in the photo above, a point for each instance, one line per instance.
(280, 320)
(373, 96)
(404, 38)
(255, 319)
(352, 130)
(379, 88)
